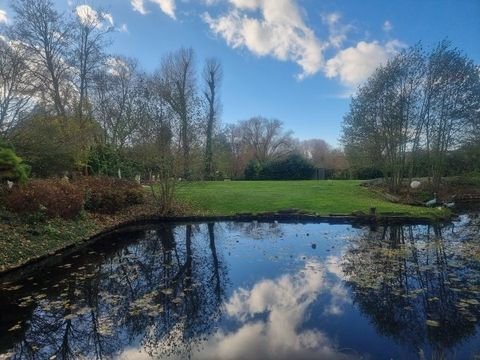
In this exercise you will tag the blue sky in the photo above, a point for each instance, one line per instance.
(295, 60)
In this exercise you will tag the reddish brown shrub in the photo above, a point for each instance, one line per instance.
(109, 195)
(54, 198)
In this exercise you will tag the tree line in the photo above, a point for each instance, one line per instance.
(68, 105)
(414, 113)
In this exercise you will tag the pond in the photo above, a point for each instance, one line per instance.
(253, 290)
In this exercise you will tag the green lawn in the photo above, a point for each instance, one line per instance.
(322, 197)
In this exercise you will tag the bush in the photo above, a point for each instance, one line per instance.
(11, 166)
(293, 167)
(253, 170)
(109, 195)
(368, 173)
(105, 160)
(54, 145)
(53, 198)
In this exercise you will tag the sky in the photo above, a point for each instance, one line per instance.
(299, 61)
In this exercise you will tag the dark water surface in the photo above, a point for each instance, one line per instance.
(254, 291)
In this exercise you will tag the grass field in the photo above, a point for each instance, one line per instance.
(322, 197)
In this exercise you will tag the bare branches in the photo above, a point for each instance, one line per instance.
(178, 87)
(415, 103)
(15, 90)
(212, 76)
(45, 37)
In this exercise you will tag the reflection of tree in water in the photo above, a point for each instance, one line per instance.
(162, 292)
(417, 287)
(257, 230)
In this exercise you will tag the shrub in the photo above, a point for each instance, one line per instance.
(54, 145)
(53, 198)
(109, 195)
(11, 166)
(253, 170)
(293, 167)
(368, 173)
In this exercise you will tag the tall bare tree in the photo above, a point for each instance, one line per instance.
(15, 90)
(91, 28)
(178, 86)
(212, 75)
(45, 36)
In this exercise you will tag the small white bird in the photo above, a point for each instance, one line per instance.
(433, 202)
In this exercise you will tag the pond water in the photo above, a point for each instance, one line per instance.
(233, 290)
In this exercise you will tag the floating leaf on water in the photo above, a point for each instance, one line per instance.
(15, 327)
(69, 317)
(433, 323)
(13, 288)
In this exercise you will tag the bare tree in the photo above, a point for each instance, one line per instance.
(178, 86)
(15, 91)
(45, 36)
(384, 122)
(323, 155)
(453, 107)
(117, 88)
(90, 30)
(212, 75)
(265, 138)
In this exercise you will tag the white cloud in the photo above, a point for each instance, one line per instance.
(108, 17)
(271, 319)
(116, 66)
(336, 30)
(3, 16)
(139, 5)
(90, 17)
(355, 64)
(123, 28)
(167, 6)
(276, 28)
(270, 28)
(387, 26)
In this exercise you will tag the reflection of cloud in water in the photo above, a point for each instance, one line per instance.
(271, 315)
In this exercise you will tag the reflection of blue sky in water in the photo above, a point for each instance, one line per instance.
(269, 318)
(256, 290)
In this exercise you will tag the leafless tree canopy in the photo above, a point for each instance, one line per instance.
(15, 89)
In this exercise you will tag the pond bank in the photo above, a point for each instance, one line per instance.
(59, 238)
(25, 241)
